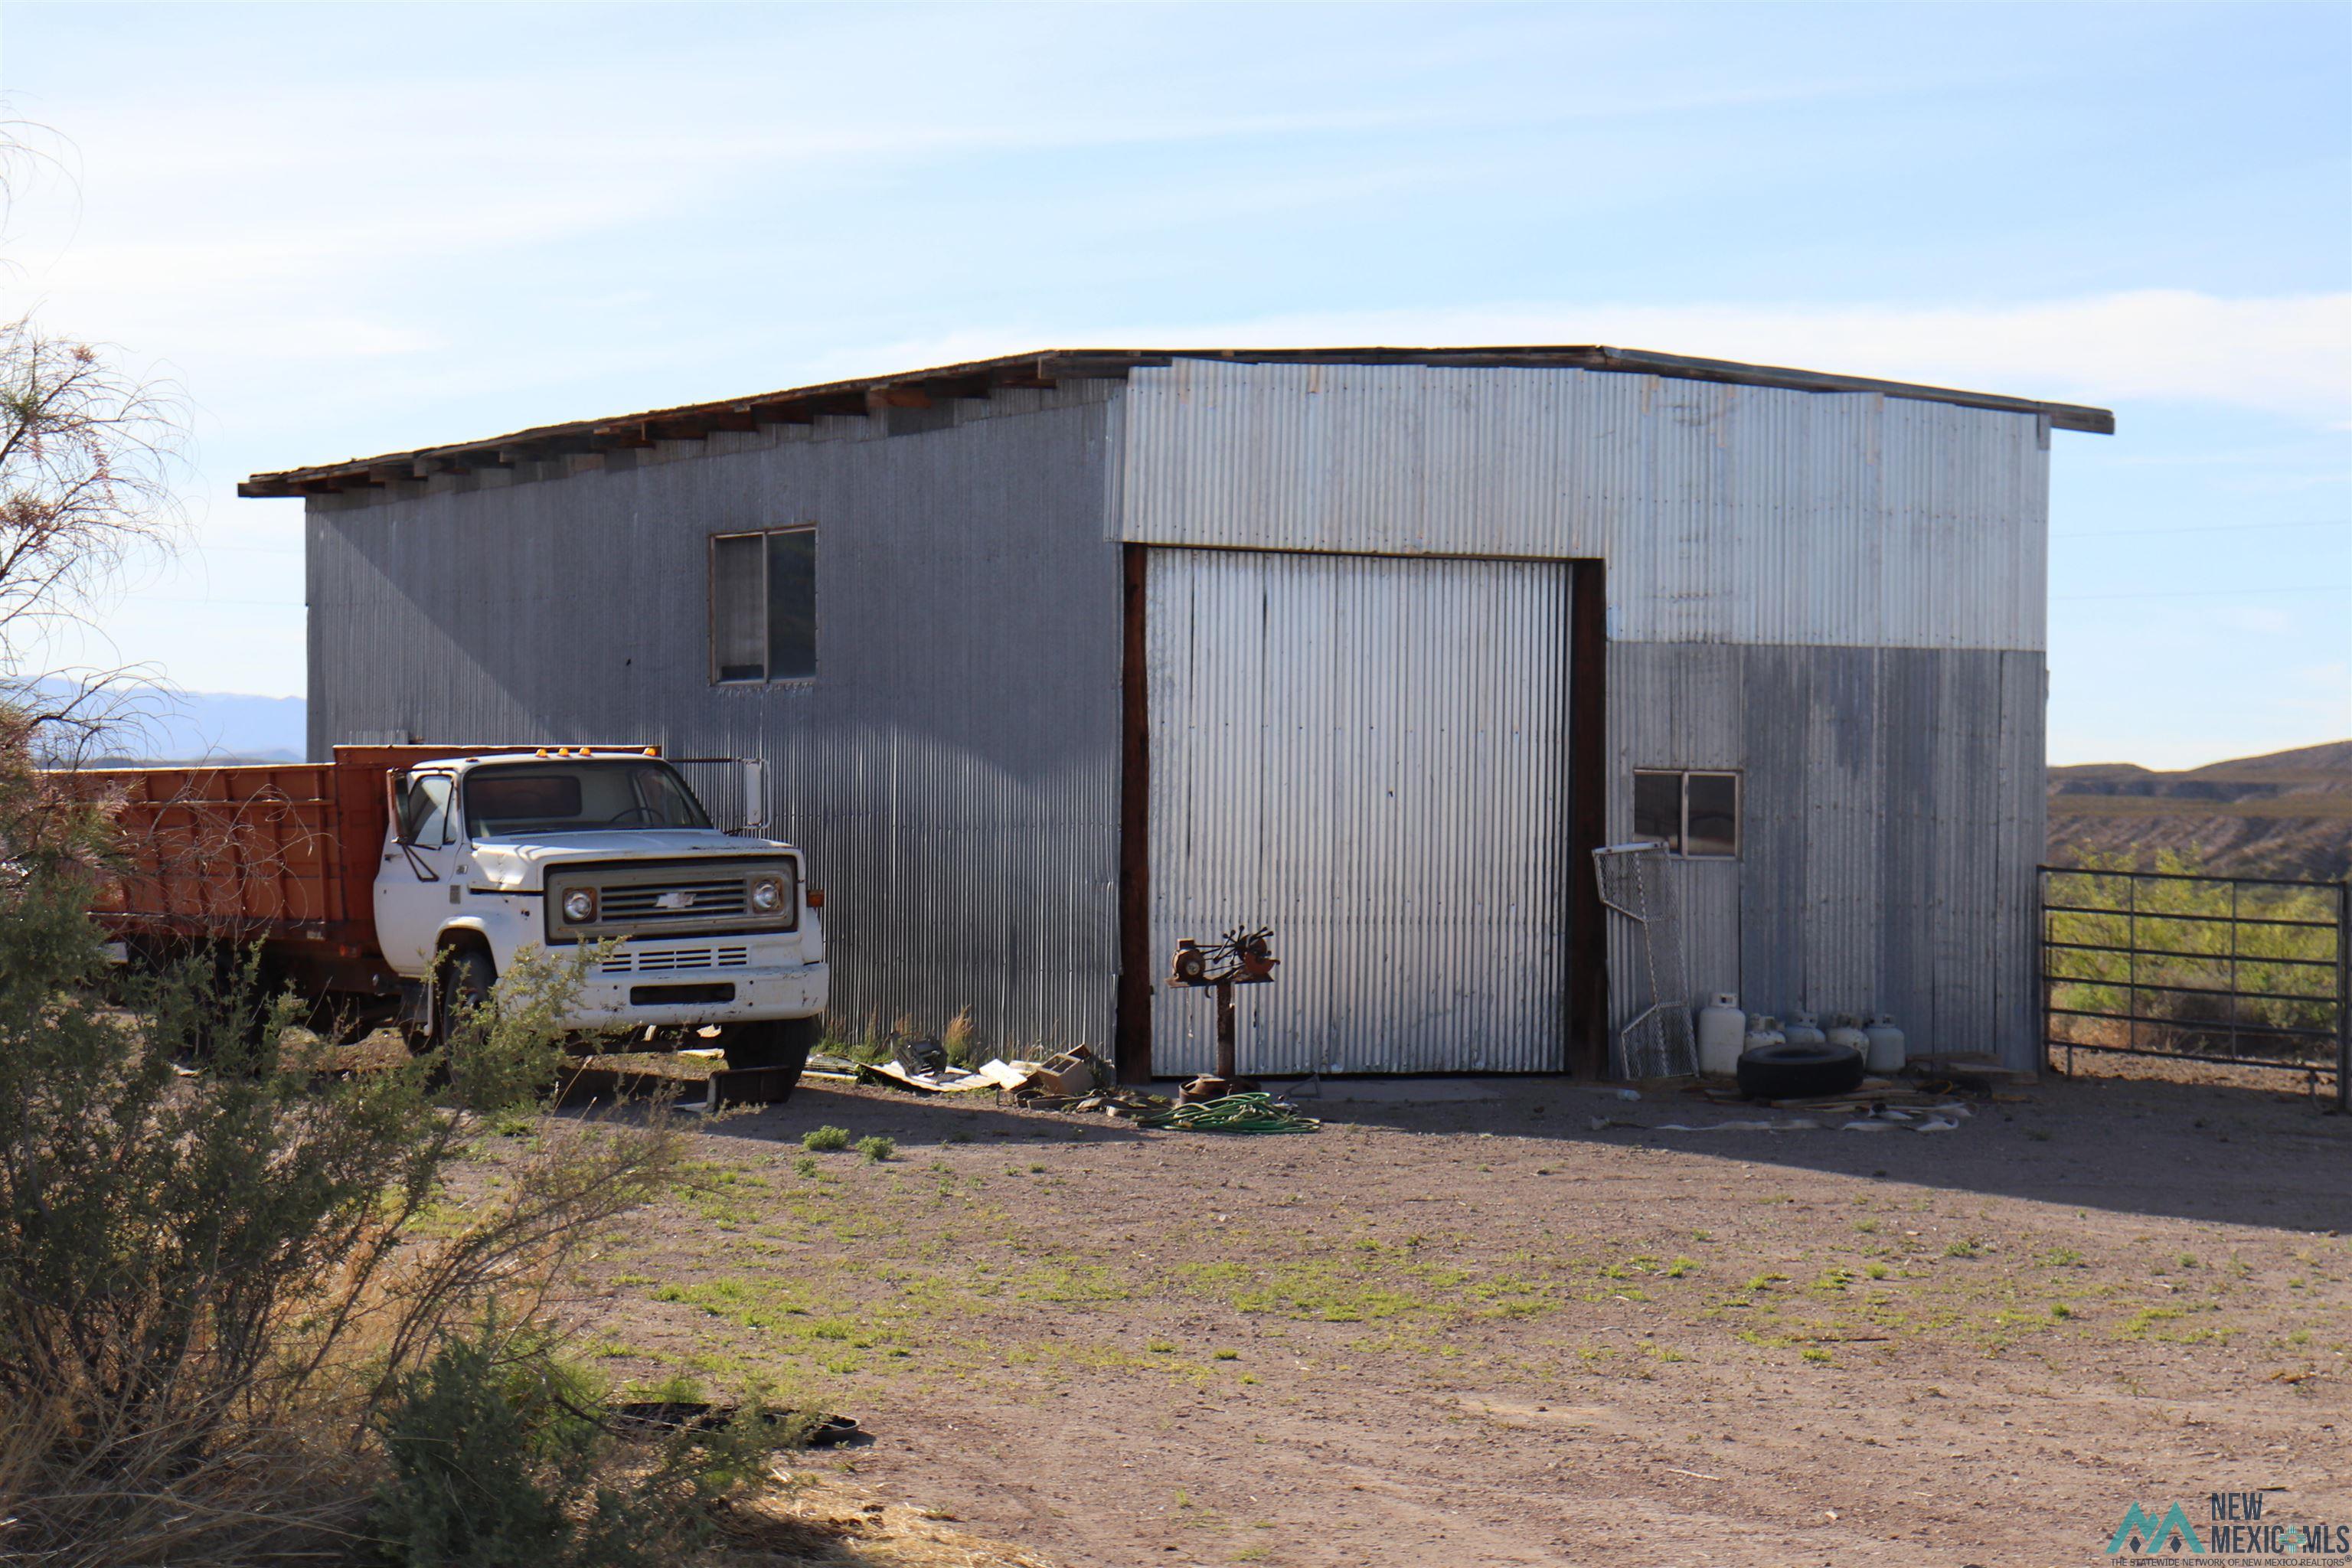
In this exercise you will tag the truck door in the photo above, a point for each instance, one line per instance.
(416, 884)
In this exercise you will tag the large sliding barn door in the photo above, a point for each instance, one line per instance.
(1368, 754)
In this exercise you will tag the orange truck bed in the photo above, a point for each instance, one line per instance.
(282, 853)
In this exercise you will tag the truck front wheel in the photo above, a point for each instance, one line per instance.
(466, 978)
(774, 1043)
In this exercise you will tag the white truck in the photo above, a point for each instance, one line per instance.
(469, 857)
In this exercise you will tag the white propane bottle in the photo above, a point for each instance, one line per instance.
(1761, 1034)
(1720, 1026)
(1843, 1033)
(1803, 1030)
(1885, 1055)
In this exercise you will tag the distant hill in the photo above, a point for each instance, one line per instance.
(155, 724)
(2288, 814)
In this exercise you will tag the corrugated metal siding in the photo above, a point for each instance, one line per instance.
(953, 770)
(1368, 756)
(1797, 583)
(1892, 813)
(1726, 513)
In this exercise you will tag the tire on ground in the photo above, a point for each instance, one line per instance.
(774, 1043)
(1797, 1072)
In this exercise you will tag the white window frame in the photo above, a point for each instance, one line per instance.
(711, 607)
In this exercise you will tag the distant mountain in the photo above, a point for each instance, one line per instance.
(2288, 814)
(148, 724)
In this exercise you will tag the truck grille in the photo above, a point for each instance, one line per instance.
(648, 898)
(645, 903)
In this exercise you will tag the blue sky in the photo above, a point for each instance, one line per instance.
(346, 230)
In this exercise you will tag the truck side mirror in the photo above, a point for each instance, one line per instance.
(397, 789)
(754, 781)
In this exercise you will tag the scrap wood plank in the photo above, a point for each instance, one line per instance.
(952, 1082)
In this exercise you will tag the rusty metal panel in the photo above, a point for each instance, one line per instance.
(951, 769)
(1369, 755)
(1726, 513)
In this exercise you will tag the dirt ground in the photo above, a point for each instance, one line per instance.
(1463, 1325)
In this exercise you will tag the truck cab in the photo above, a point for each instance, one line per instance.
(688, 927)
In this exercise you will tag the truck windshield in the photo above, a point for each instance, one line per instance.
(577, 797)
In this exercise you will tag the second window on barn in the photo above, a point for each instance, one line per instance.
(763, 605)
(1692, 813)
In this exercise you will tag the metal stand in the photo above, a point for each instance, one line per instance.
(1242, 957)
(1228, 1067)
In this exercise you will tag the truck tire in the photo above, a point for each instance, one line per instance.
(466, 978)
(777, 1043)
(1797, 1072)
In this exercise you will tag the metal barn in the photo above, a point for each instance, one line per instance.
(1058, 657)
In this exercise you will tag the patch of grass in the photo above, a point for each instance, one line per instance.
(1966, 1248)
(805, 1166)
(1071, 1282)
(877, 1148)
(1226, 1355)
(1875, 1270)
(1816, 1354)
(825, 1139)
(1766, 1281)
(2060, 1258)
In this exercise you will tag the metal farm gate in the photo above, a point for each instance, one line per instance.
(2245, 971)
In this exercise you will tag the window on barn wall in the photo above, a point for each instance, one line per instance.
(763, 605)
(1694, 813)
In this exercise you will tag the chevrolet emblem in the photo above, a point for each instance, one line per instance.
(680, 901)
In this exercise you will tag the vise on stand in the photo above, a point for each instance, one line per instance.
(1240, 957)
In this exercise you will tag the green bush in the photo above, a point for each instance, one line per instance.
(877, 1148)
(508, 1053)
(499, 1459)
(825, 1139)
(212, 1285)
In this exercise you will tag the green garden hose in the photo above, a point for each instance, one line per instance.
(1233, 1113)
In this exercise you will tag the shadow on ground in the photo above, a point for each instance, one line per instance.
(2237, 1155)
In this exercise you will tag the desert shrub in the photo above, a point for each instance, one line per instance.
(825, 1139)
(877, 1148)
(213, 1286)
(500, 1458)
(509, 1052)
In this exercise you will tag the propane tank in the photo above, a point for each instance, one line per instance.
(1761, 1032)
(1803, 1031)
(1843, 1033)
(1721, 1028)
(1885, 1052)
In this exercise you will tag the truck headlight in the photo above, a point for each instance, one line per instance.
(579, 906)
(767, 894)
